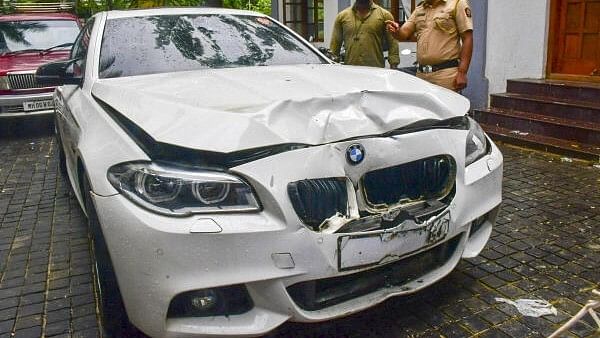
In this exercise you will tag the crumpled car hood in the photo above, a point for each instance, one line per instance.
(225, 110)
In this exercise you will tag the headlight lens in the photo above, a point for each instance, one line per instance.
(476, 143)
(4, 85)
(175, 191)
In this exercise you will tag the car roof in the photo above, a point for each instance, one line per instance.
(38, 16)
(177, 11)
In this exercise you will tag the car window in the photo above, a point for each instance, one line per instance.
(168, 43)
(36, 34)
(82, 42)
(80, 48)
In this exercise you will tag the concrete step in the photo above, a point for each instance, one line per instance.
(545, 143)
(526, 122)
(566, 90)
(559, 108)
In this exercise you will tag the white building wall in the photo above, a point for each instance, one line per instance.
(331, 10)
(516, 41)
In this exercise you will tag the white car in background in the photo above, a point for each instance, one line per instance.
(234, 178)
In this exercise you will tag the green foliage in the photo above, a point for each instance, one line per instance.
(163, 3)
(263, 6)
(87, 8)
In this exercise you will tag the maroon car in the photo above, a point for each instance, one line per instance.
(26, 42)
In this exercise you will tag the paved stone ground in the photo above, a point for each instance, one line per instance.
(546, 245)
(45, 266)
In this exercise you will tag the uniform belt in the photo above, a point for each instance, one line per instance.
(439, 66)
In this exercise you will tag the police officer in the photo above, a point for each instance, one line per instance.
(444, 32)
(361, 29)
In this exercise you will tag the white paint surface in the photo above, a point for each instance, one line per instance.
(516, 41)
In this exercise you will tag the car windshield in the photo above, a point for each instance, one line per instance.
(18, 36)
(170, 43)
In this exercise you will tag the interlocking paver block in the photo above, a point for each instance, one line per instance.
(41, 234)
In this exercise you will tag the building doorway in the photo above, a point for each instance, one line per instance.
(574, 41)
(306, 17)
(396, 7)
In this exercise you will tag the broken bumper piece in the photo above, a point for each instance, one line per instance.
(270, 266)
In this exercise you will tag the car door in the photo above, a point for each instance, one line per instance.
(67, 99)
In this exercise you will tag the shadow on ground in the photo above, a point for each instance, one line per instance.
(29, 127)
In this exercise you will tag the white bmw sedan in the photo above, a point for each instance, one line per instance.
(234, 178)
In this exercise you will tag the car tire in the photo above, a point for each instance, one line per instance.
(62, 160)
(113, 317)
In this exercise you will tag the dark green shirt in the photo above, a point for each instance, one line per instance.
(363, 37)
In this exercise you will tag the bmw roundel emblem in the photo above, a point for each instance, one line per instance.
(355, 154)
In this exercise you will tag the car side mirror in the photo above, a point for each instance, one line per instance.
(57, 73)
(327, 52)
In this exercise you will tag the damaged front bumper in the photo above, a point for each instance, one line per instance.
(292, 271)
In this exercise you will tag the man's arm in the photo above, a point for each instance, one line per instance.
(393, 48)
(466, 53)
(464, 24)
(337, 37)
(400, 33)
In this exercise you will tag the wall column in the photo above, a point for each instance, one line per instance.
(331, 10)
(275, 9)
(517, 41)
(342, 4)
(478, 86)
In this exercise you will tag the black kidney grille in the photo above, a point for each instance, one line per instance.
(425, 179)
(318, 199)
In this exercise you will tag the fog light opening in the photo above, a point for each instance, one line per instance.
(205, 301)
(223, 301)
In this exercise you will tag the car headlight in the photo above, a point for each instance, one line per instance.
(176, 191)
(4, 85)
(476, 143)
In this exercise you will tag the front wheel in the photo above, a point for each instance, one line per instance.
(62, 160)
(112, 310)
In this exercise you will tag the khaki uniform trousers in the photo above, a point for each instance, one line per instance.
(444, 77)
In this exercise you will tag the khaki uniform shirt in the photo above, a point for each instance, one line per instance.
(363, 37)
(438, 30)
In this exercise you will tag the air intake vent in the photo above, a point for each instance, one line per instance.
(22, 81)
(322, 293)
(432, 178)
(318, 199)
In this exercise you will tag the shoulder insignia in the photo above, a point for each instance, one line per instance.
(468, 12)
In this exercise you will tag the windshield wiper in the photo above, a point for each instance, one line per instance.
(29, 50)
(62, 45)
(41, 51)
